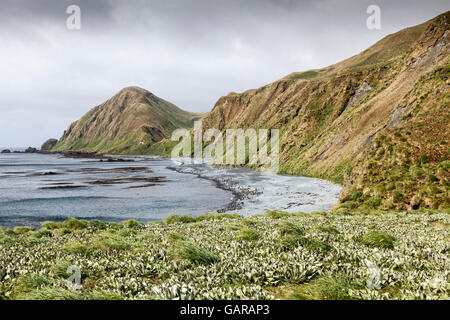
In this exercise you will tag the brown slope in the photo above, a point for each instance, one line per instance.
(331, 119)
(129, 122)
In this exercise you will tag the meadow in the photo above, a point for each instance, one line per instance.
(276, 255)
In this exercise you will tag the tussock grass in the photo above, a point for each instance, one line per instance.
(325, 288)
(378, 239)
(175, 218)
(75, 224)
(329, 229)
(133, 224)
(50, 293)
(28, 283)
(51, 225)
(289, 228)
(76, 247)
(191, 252)
(296, 256)
(247, 234)
(23, 230)
(293, 241)
(175, 236)
(217, 216)
(98, 224)
(275, 214)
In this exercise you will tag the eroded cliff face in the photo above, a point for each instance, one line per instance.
(377, 122)
(128, 123)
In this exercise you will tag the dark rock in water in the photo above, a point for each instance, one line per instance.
(62, 187)
(49, 144)
(6, 151)
(31, 150)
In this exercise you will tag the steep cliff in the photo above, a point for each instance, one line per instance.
(377, 122)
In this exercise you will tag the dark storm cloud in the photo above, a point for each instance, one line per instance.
(189, 52)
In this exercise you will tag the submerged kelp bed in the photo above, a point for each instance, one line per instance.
(271, 256)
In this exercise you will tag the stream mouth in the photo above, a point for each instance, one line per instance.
(37, 187)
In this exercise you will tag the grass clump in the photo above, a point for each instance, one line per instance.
(191, 252)
(109, 241)
(133, 224)
(175, 218)
(325, 288)
(75, 224)
(23, 230)
(76, 247)
(51, 225)
(217, 216)
(289, 228)
(42, 233)
(28, 283)
(329, 229)
(98, 224)
(61, 269)
(175, 236)
(50, 293)
(275, 214)
(247, 234)
(378, 239)
(374, 202)
(291, 242)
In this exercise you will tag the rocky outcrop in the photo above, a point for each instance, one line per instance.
(49, 144)
(31, 150)
(6, 151)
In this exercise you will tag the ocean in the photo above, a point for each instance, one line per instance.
(37, 187)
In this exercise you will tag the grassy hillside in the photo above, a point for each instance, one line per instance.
(128, 123)
(377, 122)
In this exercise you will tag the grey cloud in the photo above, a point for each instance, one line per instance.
(189, 52)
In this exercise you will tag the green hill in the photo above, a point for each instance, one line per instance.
(128, 123)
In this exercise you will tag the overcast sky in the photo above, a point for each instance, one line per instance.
(189, 52)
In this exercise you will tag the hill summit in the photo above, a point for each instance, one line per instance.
(128, 123)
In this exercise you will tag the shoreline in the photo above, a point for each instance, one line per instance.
(239, 194)
(241, 191)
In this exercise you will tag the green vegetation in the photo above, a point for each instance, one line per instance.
(141, 122)
(305, 75)
(378, 239)
(247, 234)
(324, 288)
(292, 256)
(193, 253)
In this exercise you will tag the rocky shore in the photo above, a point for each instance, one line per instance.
(240, 193)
